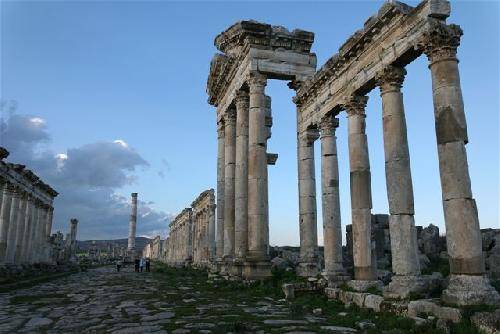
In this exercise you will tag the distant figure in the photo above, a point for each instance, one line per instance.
(137, 264)
(142, 264)
(118, 265)
(148, 265)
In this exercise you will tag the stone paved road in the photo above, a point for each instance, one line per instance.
(104, 301)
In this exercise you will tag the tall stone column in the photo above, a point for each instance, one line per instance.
(404, 247)
(35, 250)
(32, 250)
(220, 189)
(211, 232)
(48, 227)
(332, 230)
(241, 178)
(467, 284)
(229, 175)
(21, 219)
(308, 265)
(72, 235)
(28, 220)
(132, 227)
(5, 219)
(257, 265)
(361, 199)
(11, 235)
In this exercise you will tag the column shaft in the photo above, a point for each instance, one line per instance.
(5, 219)
(307, 204)
(229, 175)
(11, 235)
(21, 225)
(361, 200)
(220, 190)
(403, 233)
(241, 177)
(211, 232)
(332, 230)
(27, 230)
(257, 171)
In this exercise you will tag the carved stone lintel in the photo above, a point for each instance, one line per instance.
(441, 41)
(328, 125)
(390, 78)
(355, 105)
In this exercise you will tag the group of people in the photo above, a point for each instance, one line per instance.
(139, 264)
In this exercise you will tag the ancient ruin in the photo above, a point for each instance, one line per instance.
(375, 56)
(132, 223)
(25, 216)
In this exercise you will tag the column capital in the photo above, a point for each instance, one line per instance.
(390, 78)
(256, 79)
(355, 105)
(242, 99)
(230, 116)
(220, 129)
(328, 124)
(310, 135)
(440, 42)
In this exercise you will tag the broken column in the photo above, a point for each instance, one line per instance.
(404, 248)
(468, 284)
(132, 223)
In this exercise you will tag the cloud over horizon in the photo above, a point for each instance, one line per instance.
(86, 177)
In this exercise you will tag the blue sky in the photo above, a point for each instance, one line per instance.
(97, 72)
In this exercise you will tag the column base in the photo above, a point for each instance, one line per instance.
(256, 270)
(465, 290)
(401, 286)
(236, 269)
(335, 278)
(307, 269)
(362, 285)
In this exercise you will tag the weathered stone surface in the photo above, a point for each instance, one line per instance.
(487, 322)
(470, 290)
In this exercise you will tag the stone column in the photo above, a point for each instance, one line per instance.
(21, 225)
(308, 265)
(404, 247)
(332, 230)
(11, 235)
(361, 199)
(27, 229)
(31, 255)
(72, 235)
(48, 227)
(132, 227)
(229, 174)
(5, 219)
(241, 177)
(467, 284)
(220, 189)
(257, 265)
(211, 232)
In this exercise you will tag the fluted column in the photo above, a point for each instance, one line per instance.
(398, 174)
(21, 225)
(241, 177)
(467, 283)
(229, 174)
(308, 265)
(5, 219)
(11, 235)
(220, 189)
(332, 230)
(257, 171)
(361, 199)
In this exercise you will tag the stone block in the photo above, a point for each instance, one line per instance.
(465, 290)
(289, 291)
(332, 293)
(373, 302)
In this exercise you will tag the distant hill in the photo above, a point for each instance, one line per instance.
(140, 243)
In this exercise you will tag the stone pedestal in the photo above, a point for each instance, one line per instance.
(465, 290)
(257, 270)
(364, 285)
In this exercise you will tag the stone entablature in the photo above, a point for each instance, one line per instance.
(26, 213)
(392, 36)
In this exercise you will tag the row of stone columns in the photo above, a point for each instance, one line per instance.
(25, 225)
(242, 194)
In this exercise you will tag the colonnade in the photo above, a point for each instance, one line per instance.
(26, 214)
